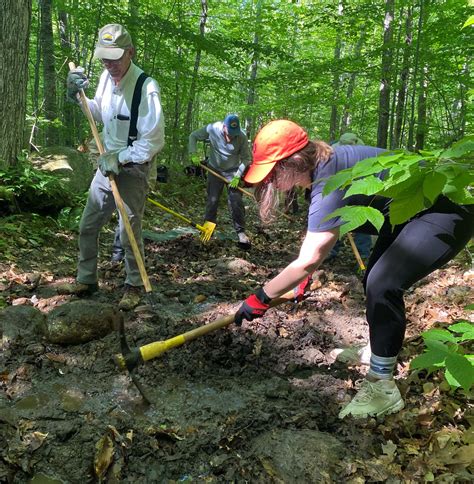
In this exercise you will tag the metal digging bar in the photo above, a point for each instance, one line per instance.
(118, 199)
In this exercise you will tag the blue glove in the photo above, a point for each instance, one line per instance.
(234, 183)
(109, 163)
(76, 80)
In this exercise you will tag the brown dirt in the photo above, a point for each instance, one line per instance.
(223, 403)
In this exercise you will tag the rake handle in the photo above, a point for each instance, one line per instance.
(118, 199)
(178, 215)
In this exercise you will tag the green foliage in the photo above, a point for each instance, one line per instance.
(414, 181)
(34, 189)
(446, 350)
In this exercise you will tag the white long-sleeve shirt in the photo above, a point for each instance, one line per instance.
(111, 106)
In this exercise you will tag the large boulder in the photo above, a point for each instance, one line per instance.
(20, 325)
(74, 167)
(81, 321)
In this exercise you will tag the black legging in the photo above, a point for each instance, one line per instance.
(401, 258)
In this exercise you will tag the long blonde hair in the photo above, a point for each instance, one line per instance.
(286, 173)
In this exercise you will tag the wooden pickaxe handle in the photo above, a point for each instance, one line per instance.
(147, 352)
(118, 199)
(217, 175)
(250, 194)
(356, 251)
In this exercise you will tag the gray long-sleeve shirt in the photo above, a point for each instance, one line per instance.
(223, 157)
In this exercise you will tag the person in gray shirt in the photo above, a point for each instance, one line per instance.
(229, 156)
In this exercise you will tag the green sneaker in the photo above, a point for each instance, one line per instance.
(353, 355)
(374, 399)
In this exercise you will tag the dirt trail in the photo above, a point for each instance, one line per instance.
(252, 404)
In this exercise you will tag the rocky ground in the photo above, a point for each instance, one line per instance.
(252, 404)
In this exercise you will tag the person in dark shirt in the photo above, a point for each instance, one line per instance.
(283, 157)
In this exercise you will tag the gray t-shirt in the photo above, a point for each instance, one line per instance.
(344, 156)
(224, 157)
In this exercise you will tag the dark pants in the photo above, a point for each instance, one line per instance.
(234, 200)
(399, 259)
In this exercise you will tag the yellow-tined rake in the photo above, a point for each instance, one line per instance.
(206, 229)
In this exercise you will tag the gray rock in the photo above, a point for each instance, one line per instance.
(69, 164)
(81, 321)
(20, 325)
(299, 455)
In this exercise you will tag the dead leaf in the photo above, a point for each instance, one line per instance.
(35, 440)
(257, 349)
(200, 298)
(103, 456)
(389, 449)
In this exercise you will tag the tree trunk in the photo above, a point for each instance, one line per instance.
(411, 128)
(250, 120)
(346, 116)
(336, 81)
(402, 89)
(15, 24)
(197, 62)
(421, 127)
(49, 74)
(67, 109)
(384, 97)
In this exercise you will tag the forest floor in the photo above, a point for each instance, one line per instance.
(257, 403)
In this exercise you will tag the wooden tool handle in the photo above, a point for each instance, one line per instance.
(118, 199)
(356, 251)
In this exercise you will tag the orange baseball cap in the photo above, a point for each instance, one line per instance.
(274, 142)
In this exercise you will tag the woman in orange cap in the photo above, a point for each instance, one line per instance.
(284, 157)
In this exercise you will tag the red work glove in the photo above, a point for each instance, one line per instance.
(255, 306)
(301, 288)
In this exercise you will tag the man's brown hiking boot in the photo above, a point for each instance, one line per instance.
(131, 297)
(77, 288)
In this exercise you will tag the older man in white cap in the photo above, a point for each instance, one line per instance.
(133, 134)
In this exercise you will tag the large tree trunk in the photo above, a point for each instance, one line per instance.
(400, 110)
(250, 121)
(411, 128)
(346, 116)
(197, 62)
(422, 127)
(15, 23)
(336, 81)
(384, 97)
(49, 74)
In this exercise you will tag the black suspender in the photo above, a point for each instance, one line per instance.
(137, 97)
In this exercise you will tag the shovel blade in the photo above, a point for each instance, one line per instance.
(207, 230)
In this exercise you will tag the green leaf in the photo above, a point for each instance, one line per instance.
(355, 216)
(468, 22)
(369, 166)
(460, 148)
(433, 185)
(439, 335)
(366, 186)
(461, 327)
(460, 369)
(427, 361)
(336, 181)
(456, 188)
(404, 208)
(469, 307)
